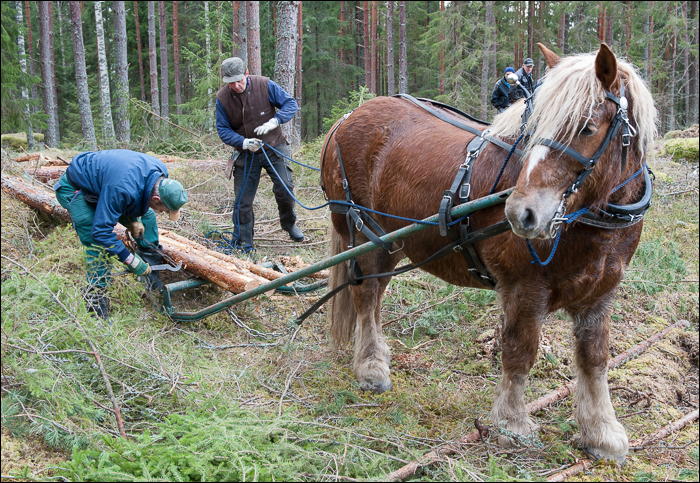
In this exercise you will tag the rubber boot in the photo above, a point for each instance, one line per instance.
(96, 302)
(245, 237)
(152, 257)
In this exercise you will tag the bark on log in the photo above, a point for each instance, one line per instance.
(45, 174)
(27, 157)
(35, 196)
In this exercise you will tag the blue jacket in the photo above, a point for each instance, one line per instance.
(123, 181)
(279, 98)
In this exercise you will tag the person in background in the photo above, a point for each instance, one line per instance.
(525, 78)
(245, 119)
(499, 96)
(101, 189)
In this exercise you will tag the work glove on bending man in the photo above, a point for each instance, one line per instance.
(252, 145)
(137, 228)
(137, 266)
(267, 127)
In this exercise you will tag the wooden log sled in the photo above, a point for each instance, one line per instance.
(227, 272)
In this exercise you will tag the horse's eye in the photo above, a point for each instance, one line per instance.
(588, 130)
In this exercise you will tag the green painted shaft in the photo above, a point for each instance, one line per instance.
(457, 212)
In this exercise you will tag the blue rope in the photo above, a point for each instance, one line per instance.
(569, 220)
(631, 178)
(503, 168)
(294, 160)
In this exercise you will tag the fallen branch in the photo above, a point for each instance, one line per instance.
(453, 447)
(636, 445)
(115, 406)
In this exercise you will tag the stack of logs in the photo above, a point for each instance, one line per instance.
(229, 273)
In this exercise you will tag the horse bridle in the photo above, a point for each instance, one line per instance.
(628, 131)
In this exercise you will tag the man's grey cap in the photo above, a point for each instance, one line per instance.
(529, 61)
(232, 69)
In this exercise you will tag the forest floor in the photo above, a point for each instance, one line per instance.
(241, 395)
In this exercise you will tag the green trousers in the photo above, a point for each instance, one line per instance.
(83, 213)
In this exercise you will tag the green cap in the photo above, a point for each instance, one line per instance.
(173, 196)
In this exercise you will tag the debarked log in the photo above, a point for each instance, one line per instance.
(226, 272)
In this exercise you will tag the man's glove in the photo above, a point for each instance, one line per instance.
(138, 266)
(136, 228)
(252, 144)
(267, 127)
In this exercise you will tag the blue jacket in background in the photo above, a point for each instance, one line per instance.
(123, 181)
(279, 98)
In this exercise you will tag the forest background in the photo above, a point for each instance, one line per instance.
(122, 74)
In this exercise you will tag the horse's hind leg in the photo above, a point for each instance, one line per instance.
(602, 435)
(519, 340)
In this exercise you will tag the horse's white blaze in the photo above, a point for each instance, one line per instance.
(538, 154)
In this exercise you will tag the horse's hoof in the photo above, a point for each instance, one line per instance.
(378, 387)
(598, 454)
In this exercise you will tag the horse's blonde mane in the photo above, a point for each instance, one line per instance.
(571, 92)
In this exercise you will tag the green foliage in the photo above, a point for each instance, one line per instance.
(16, 141)
(346, 105)
(656, 266)
(686, 149)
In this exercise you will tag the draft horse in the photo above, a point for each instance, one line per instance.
(398, 159)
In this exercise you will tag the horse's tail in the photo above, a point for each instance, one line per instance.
(342, 314)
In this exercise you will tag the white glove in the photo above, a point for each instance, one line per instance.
(267, 127)
(252, 144)
(136, 229)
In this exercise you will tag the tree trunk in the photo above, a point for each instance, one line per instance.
(210, 100)
(107, 123)
(373, 49)
(81, 77)
(403, 74)
(23, 67)
(234, 28)
(176, 60)
(693, 109)
(609, 30)
(628, 26)
(365, 44)
(31, 49)
(651, 44)
(138, 44)
(243, 31)
(163, 61)
(153, 61)
(342, 33)
(51, 135)
(53, 67)
(390, 49)
(285, 54)
(300, 47)
(253, 18)
(672, 11)
(121, 96)
(60, 38)
(485, 84)
(531, 29)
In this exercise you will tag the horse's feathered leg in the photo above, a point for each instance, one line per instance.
(602, 435)
(342, 313)
(523, 316)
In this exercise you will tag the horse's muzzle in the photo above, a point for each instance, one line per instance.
(532, 215)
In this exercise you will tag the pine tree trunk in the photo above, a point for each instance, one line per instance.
(23, 67)
(253, 19)
(243, 31)
(300, 48)
(531, 28)
(234, 28)
(403, 74)
(342, 33)
(628, 26)
(672, 81)
(391, 89)
(163, 60)
(35, 94)
(138, 44)
(153, 61)
(176, 60)
(693, 109)
(121, 96)
(285, 54)
(609, 24)
(59, 7)
(365, 44)
(651, 45)
(107, 123)
(47, 78)
(373, 53)
(686, 63)
(81, 77)
(210, 100)
(53, 67)
(485, 85)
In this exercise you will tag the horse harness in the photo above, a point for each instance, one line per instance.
(463, 238)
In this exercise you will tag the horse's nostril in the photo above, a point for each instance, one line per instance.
(528, 220)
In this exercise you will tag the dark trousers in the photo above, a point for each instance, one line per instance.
(245, 183)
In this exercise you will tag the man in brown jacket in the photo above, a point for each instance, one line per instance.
(249, 111)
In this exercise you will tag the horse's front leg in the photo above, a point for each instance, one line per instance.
(602, 435)
(371, 360)
(519, 340)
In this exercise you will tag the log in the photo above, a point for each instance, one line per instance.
(226, 275)
(45, 174)
(27, 157)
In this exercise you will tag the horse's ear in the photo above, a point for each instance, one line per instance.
(550, 57)
(606, 66)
